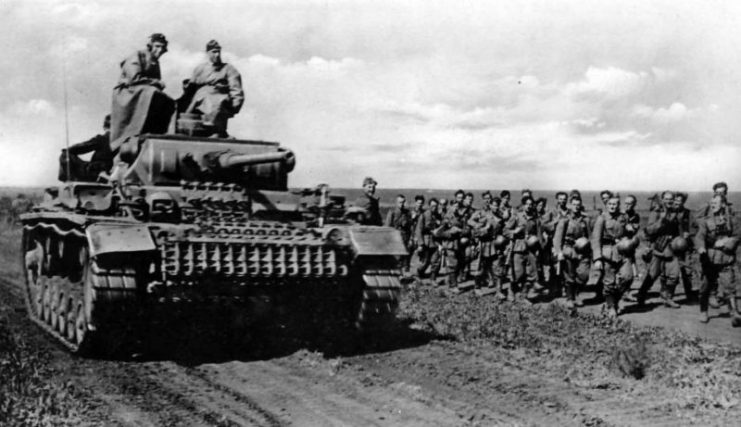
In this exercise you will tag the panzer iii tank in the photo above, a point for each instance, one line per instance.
(185, 222)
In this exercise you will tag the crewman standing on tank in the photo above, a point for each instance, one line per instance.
(611, 254)
(716, 241)
(571, 245)
(368, 203)
(663, 231)
(217, 91)
(139, 103)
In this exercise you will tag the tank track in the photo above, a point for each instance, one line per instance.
(88, 310)
(379, 302)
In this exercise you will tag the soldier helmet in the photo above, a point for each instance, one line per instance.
(212, 44)
(627, 246)
(581, 244)
(679, 245)
(500, 241)
(532, 242)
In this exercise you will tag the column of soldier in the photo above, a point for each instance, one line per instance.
(531, 253)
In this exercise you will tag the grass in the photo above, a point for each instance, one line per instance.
(589, 350)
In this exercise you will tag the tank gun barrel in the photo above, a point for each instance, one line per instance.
(229, 160)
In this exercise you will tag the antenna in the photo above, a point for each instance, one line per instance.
(66, 116)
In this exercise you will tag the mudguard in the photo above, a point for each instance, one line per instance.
(108, 238)
(377, 241)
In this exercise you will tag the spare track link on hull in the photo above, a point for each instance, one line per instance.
(85, 314)
(380, 299)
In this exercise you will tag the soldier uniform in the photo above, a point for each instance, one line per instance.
(663, 226)
(718, 260)
(426, 224)
(575, 262)
(524, 259)
(685, 268)
(487, 225)
(139, 104)
(400, 218)
(218, 90)
(368, 203)
(616, 269)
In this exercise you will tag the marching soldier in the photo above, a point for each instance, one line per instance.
(416, 212)
(716, 241)
(487, 227)
(571, 245)
(663, 231)
(505, 209)
(426, 225)
(611, 251)
(401, 219)
(526, 233)
(549, 221)
(685, 224)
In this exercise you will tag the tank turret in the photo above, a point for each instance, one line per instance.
(170, 159)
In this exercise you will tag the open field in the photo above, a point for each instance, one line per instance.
(451, 361)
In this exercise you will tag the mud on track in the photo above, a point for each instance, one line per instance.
(415, 375)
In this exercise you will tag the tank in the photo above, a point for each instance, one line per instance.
(185, 222)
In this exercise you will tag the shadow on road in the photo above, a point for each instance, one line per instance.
(194, 342)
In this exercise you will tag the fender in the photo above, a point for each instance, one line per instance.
(108, 238)
(377, 241)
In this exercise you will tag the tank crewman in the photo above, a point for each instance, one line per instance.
(100, 161)
(526, 233)
(685, 228)
(139, 103)
(426, 224)
(662, 228)
(487, 227)
(571, 246)
(368, 204)
(716, 241)
(217, 91)
(400, 218)
(506, 210)
(612, 262)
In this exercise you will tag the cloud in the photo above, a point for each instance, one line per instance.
(41, 108)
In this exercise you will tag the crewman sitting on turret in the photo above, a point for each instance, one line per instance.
(214, 91)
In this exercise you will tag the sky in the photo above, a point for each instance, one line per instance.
(639, 95)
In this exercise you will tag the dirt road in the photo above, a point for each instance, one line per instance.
(406, 378)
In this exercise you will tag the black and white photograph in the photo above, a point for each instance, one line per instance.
(370, 213)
